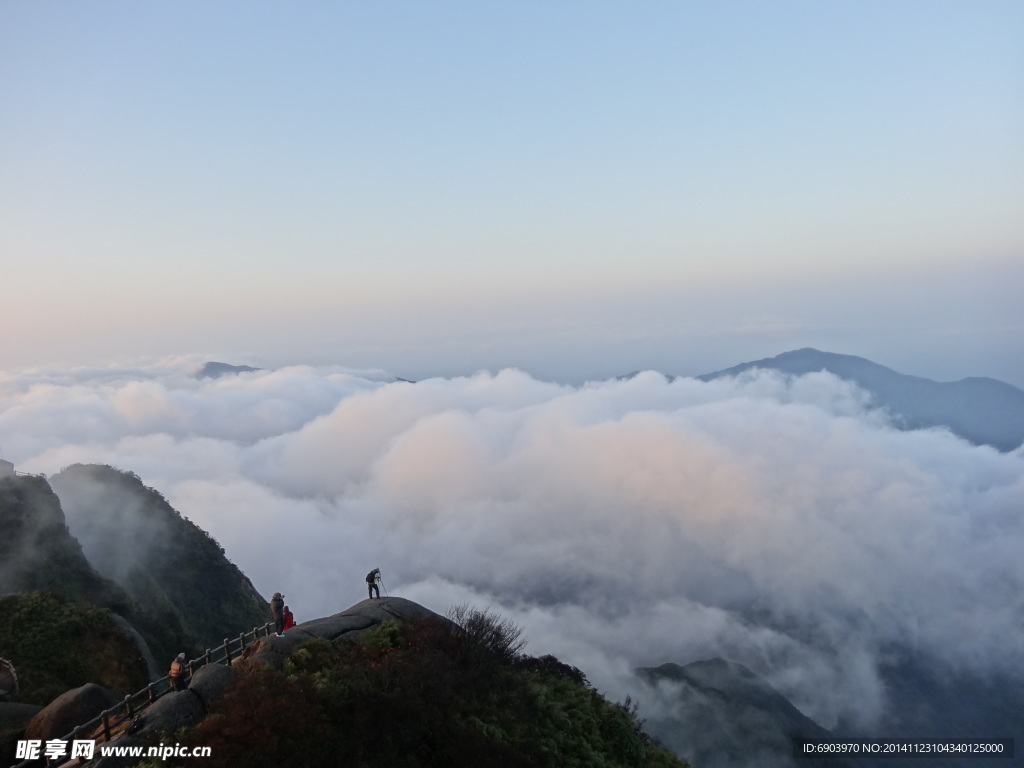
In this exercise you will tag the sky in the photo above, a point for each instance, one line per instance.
(578, 190)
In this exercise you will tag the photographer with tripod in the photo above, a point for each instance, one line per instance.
(372, 580)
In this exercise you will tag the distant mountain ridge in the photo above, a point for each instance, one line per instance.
(214, 370)
(981, 410)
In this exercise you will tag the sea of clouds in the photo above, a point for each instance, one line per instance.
(776, 521)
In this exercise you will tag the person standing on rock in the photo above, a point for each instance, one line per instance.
(289, 618)
(179, 668)
(277, 609)
(371, 582)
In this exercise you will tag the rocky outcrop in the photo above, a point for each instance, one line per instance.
(185, 708)
(69, 710)
(348, 624)
(209, 682)
(172, 711)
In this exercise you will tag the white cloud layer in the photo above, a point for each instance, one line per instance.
(778, 522)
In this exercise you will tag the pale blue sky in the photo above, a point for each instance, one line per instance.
(578, 190)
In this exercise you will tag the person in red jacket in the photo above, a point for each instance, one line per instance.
(289, 619)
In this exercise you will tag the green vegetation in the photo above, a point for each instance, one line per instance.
(37, 552)
(165, 562)
(423, 694)
(58, 644)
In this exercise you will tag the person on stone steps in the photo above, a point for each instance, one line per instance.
(179, 668)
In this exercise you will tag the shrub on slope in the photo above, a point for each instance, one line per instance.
(57, 644)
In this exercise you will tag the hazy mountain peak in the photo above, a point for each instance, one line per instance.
(981, 410)
(214, 370)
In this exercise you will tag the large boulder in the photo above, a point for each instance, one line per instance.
(69, 710)
(385, 608)
(348, 624)
(209, 682)
(172, 711)
(330, 627)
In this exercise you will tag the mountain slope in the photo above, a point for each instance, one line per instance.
(723, 714)
(37, 551)
(981, 410)
(164, 562)
(56, 622)
(388, 683)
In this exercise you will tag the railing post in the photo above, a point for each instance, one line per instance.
(128, 706)
(241, 642)
(74, 735)
(150, 694)
(227, 652)
(106, 719)
(206, 657)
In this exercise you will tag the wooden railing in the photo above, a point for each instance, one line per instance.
(102, 727)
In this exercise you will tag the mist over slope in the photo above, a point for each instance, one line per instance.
(773, 520)
(38, 553)
(165, 563)
(721, 714)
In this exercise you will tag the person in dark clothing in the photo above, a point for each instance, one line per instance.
(289, 618)
(277, 609)
(371, 582)
(179, 668)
